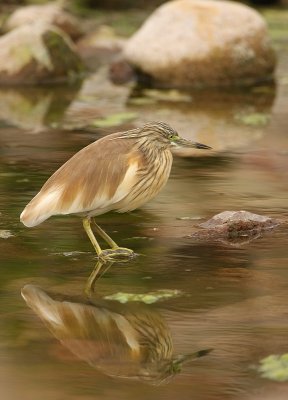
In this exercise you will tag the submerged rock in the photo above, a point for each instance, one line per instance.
(37, 53)
(51, 13)
(202, 43)
(121, 72)
(235, 225)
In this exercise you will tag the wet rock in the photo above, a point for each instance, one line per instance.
(38, 53)
(51, 13)
(238, 218)
(121, 72)
(196, 43)
(237, 226)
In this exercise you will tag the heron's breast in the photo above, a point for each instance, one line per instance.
(149, 180)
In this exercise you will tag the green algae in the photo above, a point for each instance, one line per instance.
(274, 367)
(253, 119)
(147, 298)
(114, 120)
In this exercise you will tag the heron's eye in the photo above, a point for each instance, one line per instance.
(172, 137)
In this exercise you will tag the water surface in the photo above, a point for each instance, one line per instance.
(233, 297)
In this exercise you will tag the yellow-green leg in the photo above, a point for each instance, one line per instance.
(106, 237)
(88, 230)
(116, 251)
(109, 254)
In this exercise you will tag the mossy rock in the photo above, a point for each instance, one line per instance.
(49, 13)
(37, 54)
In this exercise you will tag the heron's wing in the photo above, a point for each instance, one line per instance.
(95, 178)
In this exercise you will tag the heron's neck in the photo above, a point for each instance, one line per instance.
(151, 147)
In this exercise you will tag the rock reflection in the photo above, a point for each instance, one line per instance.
(122, 340)
(36, 108)
(226, 119)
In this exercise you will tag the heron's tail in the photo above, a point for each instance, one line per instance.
(40, 208)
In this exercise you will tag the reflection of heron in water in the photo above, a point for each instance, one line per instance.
(122, 340)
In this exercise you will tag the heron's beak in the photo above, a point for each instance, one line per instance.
(178, 141)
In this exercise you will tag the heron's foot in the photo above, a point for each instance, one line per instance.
(116, 254)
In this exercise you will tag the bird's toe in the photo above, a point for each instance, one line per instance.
(117, 254)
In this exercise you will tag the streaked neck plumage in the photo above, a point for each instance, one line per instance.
(146, 141)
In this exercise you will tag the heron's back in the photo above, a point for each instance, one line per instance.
(88, 180)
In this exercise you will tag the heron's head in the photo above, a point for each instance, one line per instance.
(164, 135)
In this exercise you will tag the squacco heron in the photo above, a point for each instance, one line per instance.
(119, 172)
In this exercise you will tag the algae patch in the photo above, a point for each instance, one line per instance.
(114, 120)
(148, 298)
(5, 234)
(253, 119)
(274, 367)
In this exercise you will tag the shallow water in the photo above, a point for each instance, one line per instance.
(233, 296)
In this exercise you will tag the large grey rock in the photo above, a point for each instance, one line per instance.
(37, 53)
(202, 43)
(50, 13)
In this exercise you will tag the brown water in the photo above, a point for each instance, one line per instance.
(233, 297)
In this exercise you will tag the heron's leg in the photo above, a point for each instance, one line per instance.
(116, 252)
(88, 230)
(106, 237)
(105, 255)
